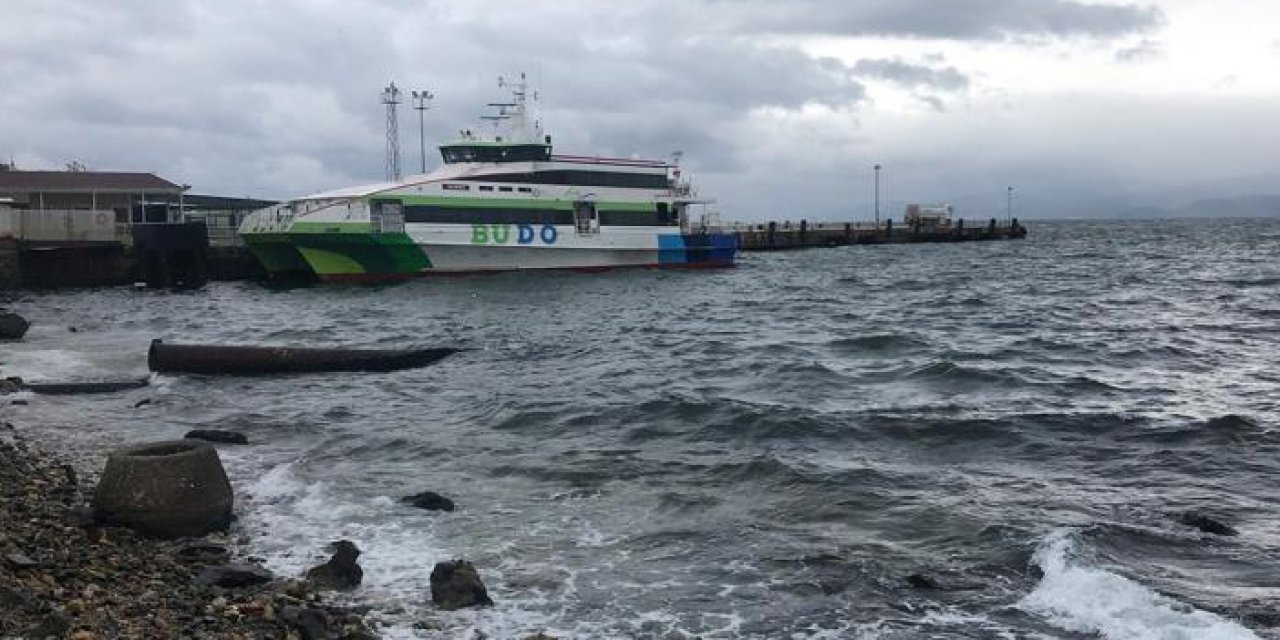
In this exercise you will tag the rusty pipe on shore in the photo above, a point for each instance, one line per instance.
(250, 360)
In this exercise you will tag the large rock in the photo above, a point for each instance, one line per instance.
(341, 571)
(166, 490)
(456, 584)
(429, 500)
(1206, 523)
(233, 576)
(13, 326)
(12, 384)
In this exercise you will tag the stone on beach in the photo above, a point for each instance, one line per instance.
(1206, 523)
(165, 489)
(341, 571)
(11, 384)
(455, 585)
(13, 326)
(233, 576)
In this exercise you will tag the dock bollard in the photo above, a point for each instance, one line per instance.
(167, 489)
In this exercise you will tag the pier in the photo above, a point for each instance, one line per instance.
(774, 236)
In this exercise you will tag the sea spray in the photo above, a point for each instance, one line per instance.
(1078, 597)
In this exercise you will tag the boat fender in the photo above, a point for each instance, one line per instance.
(549, 234)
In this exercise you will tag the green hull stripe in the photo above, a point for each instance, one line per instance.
(325, 262)
(276, 253)
(339, 254)
(345, 228)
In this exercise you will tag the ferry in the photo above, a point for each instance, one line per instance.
(501, 201)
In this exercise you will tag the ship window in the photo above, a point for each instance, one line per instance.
(457, 187)
(485, 187)
(504, 188)
(524, 189)
(625, 180)
(496, 153)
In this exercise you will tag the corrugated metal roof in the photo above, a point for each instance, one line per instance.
(83, 181)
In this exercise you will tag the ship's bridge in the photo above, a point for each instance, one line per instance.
(476, 151)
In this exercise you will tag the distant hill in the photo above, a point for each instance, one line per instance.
(1237, 207)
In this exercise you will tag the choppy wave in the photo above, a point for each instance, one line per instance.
(765, 452)
(1076, 596)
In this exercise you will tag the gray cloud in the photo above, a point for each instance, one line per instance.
(933, 101)
(1143, 51)
(280, 98)
(953, 19)
(912, 76)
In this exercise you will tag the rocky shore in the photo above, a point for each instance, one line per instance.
(62, 575)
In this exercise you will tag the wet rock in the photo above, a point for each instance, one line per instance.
(922, 581)
(315, 625)
(13, 326)
(12, 598)
(233, 576)
(82, 516)
(1232, 422)
(341, 571)
(12, 384)
(19, 560)
(429, 500)
(540, 636)
(56, 624)
(205, 552)
(19, 403)
(456, 584)
(311, 623)
(214, 435)
(1206, 523)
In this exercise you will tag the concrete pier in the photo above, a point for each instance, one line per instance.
(772, 236)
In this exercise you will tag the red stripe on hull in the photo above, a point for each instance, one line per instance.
(373, 278)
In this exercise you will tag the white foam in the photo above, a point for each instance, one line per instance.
(51, 364)
(1087, 599)
(291, 518)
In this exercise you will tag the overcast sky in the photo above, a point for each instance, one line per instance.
(781, 107)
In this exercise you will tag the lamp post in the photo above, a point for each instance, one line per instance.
(420, 99)
(1009, 207)
(182, 206)
(877, 195)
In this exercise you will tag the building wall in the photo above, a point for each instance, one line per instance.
(35, 200)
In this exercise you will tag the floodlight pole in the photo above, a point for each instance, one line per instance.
(877, 195)
(420, 99)
(1009, 208)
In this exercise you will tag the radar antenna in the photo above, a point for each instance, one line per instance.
(516, 112)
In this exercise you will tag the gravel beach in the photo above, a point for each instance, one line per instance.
(64, 576)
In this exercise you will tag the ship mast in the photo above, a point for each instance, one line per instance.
(516, 113)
